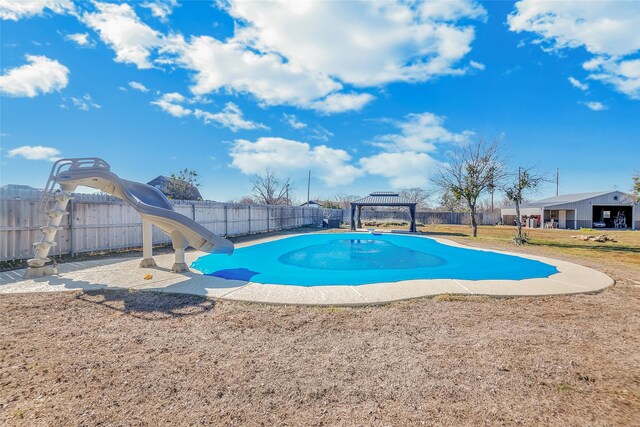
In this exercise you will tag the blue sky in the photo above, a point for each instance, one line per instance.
(367, 96)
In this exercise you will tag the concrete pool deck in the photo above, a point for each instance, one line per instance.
(125, 273)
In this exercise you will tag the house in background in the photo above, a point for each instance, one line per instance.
(160, 182)
(312, 204)
(605, 209)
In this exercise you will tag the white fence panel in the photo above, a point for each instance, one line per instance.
(212, 217)
(238, 220)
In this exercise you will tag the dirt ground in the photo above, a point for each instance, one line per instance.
(136, 358)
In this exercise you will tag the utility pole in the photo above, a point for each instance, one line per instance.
(287, 190)
(557, 179)
(308, 188)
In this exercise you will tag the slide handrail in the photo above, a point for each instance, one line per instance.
(63, 165)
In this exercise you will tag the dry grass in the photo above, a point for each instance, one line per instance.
(136, 358)
(625, 251)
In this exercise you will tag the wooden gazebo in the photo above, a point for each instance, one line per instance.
(382, 198)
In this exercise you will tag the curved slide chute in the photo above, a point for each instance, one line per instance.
(148, 201)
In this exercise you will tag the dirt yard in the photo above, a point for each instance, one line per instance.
(135, 358)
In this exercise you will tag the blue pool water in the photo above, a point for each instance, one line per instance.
(357, 259)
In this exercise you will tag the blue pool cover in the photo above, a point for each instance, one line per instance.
(358, 259)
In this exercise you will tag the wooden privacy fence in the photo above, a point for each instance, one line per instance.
(99, 223)
(427, 218)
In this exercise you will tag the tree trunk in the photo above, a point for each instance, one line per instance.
(518, 221)
(474, 223)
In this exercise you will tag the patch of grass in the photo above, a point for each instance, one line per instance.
(332, 309)
(520, 240)
(565, 387)
(454, 297)
(19, 413)
(395, 224)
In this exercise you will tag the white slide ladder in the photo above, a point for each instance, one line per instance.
(54, 214)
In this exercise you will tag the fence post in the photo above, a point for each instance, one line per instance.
(268, 218)
(226, 225)
(71, 239)
(193, 211)
(249, 219)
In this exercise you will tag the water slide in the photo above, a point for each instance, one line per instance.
(148, 201)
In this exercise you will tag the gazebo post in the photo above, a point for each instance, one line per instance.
(353, 214)
(412, 213)
(359, 216)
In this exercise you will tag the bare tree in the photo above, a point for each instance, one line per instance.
(268, 189)
(635, 190)
(524, 181)
(344, 200)
(471, 171)
(244, 200)
(449, 203)
(183, 185)
(329, 204)
(417, 195)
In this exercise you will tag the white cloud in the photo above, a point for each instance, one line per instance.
(284, 155)
(293, 121)
(283, 54)
(408, 155)
(170, 102)
(121, 29)
(220, 65)
(608, 29)
(161, 9)
(85, 103)
(403, 169)
(624, 75)
(15, 10)
(173, 97)
(42, 75)
(138, 86)
(605, 27)
(320, 133)
(577, 83)
(420, 132)
(595, 105)
(370, 43)
(37, 152)
(230, 117)
(477, 65)
(341, 102)
(406, 160)
(81, 39)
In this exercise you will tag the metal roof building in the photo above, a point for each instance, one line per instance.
(382, 198)
(603, 209)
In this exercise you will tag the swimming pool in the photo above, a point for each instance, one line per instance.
(358, 259)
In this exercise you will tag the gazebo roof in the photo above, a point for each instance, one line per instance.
(384, 198)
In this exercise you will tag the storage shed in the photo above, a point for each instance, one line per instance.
(605, 209)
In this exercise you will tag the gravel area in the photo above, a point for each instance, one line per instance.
(138, 358)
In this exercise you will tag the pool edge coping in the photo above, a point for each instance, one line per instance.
(572, 279)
